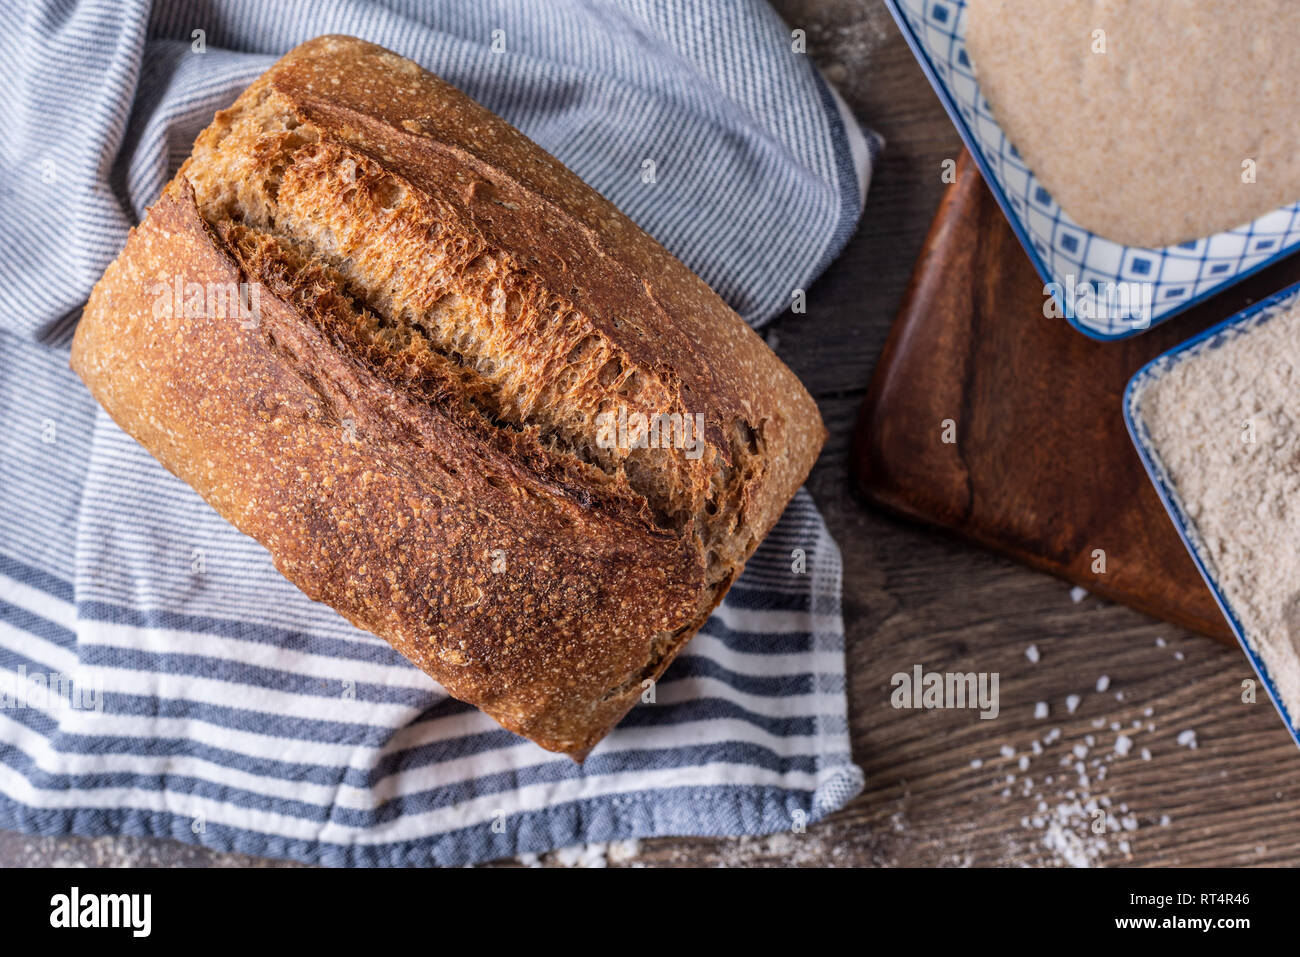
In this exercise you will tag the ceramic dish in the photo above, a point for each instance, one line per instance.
(1104, 289)
(1238, 325)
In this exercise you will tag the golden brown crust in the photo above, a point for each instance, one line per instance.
(529, 582)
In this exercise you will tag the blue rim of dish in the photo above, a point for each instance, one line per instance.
(990, 180)
(1137, 431)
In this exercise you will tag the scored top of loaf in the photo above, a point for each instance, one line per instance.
(470, 308)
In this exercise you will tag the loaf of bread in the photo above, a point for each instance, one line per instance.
(454, 392)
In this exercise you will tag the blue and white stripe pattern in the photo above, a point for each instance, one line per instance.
(233, 711)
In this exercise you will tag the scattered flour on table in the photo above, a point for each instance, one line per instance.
(595, 854)
(1225, 424)
(1064, 821)
(824, 844)
(30, 850)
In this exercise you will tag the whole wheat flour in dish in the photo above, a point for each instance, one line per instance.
(1225, 424)
(1144, 143)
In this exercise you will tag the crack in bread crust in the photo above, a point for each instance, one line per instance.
(432, 285)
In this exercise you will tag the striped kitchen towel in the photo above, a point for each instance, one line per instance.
(159, 678)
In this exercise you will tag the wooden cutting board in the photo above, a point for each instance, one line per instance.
(1042, 468)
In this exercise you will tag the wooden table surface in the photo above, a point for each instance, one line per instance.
(941, 790)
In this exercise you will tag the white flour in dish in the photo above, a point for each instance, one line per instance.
(1226, 425)
(1145, 142)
